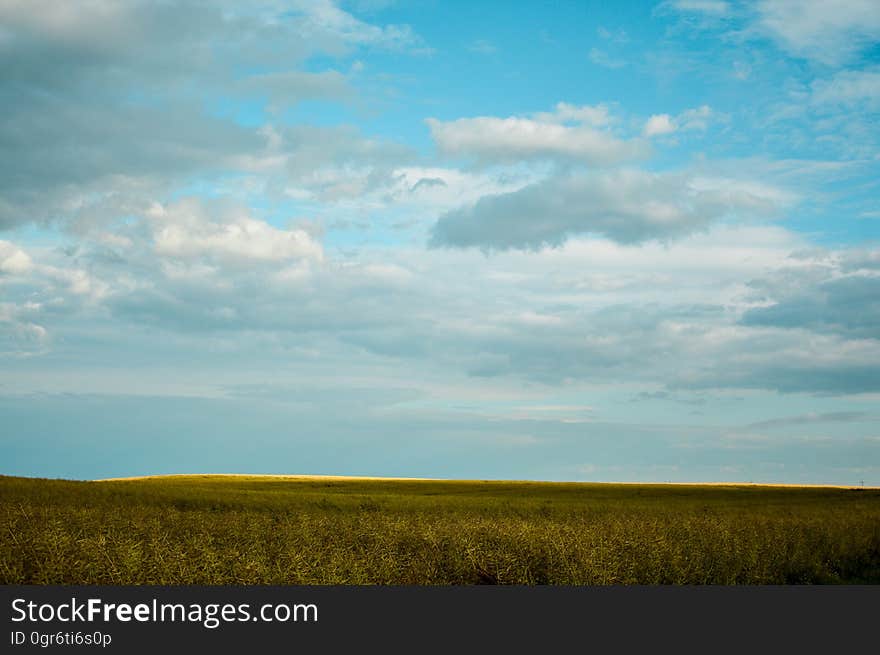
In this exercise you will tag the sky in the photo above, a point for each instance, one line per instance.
(631, 241)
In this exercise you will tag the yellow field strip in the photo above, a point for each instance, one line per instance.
(276, 476)
(354, 478)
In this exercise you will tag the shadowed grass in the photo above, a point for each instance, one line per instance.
(253, 530)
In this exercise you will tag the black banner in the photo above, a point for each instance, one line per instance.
(414, 619)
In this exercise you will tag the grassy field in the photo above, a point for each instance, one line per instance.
(264, 530)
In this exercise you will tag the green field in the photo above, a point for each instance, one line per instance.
(253, 530)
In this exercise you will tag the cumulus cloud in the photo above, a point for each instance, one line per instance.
(13, 260)
(105, 103)
(106, 27)
(565, 112)
(420, 193)
(185, 231)
(570, 133)
(690, 119)
(790, 363)
(837, 297)
(658, 125)
(325, 19)
(592, 311)
(629, 206)
(35, 293)
(20, 338)
(190, 255)
(648, 284)
(327, 164)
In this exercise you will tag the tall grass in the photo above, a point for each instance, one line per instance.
(210, 530)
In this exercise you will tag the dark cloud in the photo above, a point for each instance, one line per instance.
(428, 182)
(848, 305)
(810, 419)
(207, 274)
(108, 106)
(628, 206)
(776, 374)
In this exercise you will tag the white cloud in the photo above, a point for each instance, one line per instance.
(848, 88)
(592, 311)
(326, 17)
(690, 119)
(830, 32)
(564, 112)
(433, 189)
(13, 260)
(330, 164)
(185, 231)
(545, 136)
(658, 125)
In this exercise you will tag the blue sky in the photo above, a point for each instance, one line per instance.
(569, 241)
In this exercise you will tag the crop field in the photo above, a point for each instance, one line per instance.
(276, 530)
